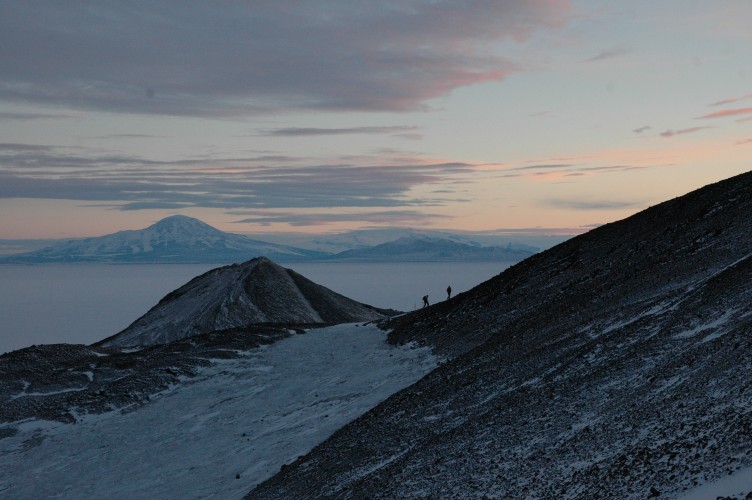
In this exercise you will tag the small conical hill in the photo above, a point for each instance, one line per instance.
(239, 295)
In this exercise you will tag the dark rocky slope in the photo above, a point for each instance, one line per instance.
(617, 364)
(58, 381)
(255, 292)
(608, 272)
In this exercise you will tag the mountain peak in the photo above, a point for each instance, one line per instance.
(179, 218)
(183, 223)
(237, 296)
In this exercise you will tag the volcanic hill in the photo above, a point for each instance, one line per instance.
(237, 296)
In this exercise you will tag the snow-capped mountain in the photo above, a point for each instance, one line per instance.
(174, 239)
(237, 296)
(426, 248)
(615, 365)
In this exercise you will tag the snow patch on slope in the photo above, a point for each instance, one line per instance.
(221, 432)
(736, 485)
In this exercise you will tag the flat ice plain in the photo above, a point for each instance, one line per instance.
(221, 432)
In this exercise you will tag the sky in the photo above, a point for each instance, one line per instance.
(537, 116)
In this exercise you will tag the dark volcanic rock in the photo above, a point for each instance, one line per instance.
(608, 272)
(615, 365)
(255, 292)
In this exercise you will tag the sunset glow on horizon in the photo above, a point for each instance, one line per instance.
(330, 116)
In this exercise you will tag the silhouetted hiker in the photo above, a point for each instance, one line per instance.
(449, 292)
(425, 301)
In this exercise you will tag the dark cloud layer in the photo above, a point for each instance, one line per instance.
(197, 58)
(31, 116)
(594, 204)
(395, 217)
(562, 170)
(313, 132)
(233, 184)
(610, 54)
(691, 130)
(731, 100)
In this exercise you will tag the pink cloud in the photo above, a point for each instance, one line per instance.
(733, 99)
(727, 112)
(745, 141)
(671, 133)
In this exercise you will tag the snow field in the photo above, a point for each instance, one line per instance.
(221, 432)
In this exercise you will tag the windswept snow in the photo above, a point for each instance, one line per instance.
(219, 433)
(735, 485)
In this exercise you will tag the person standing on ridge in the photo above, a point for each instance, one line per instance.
(449, 292)
(425, 301)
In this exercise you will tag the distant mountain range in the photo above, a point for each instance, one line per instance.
(366, 238)
(181, 239)
(426, 248)
(174, 239)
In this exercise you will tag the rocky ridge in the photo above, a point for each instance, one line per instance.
(615, 365)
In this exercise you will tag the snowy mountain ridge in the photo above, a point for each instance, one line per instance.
(420, 247)
(367, 238)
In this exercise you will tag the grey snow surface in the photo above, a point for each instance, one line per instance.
(208, 417)
(615, 365)
(236, 296)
